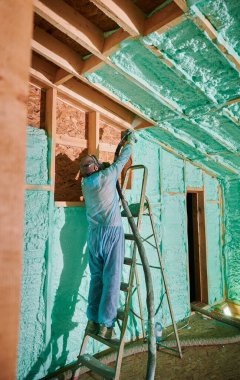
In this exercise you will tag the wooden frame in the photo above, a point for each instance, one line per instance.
(51, 122)
(199, 245)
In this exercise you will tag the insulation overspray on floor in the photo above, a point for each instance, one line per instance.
(56, 274)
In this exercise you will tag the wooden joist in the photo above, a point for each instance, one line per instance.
(72, 23)
(45, 73)
(56, 51)
(62, 76)
(50, 48)
(125, 13)
(166, 18)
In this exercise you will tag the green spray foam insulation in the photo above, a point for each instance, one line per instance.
(199, 58)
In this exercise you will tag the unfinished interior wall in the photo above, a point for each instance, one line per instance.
(231, 191)
(56, 274)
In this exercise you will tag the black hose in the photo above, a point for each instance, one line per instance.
(151, 365)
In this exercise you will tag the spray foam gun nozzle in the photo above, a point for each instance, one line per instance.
(123, 140)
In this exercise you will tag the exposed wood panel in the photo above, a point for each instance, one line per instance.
(125, 13)
(70, 22)
(93, 133)
(55, 51)
(165, 19)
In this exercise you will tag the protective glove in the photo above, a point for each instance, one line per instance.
(131, 139)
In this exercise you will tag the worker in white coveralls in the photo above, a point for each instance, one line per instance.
(105, 239)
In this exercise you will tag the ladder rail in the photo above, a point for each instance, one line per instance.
(163, 276)
(133, 272)
(118, 345)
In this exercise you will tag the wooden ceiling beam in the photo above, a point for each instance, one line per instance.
(44, 73)
(164, 19)
(73, 24)
(125, 13)
(182, 4)
(56, 51)
(62, 76)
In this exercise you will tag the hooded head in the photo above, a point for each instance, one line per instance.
(88, 165)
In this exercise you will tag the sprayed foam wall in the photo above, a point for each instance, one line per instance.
(231, 191)
(56, 274)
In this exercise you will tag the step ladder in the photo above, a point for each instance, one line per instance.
(138, 210)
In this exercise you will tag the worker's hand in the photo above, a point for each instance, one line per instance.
(132, 138)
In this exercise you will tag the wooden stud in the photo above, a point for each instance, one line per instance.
(165, 19)
(39, 187)
(51, 121)
(125, 13)
(71, 141)
(72, 23)
(62, 76)
(93, 133)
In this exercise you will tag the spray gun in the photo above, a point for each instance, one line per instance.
(125, 137)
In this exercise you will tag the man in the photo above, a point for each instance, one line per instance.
(105, 240)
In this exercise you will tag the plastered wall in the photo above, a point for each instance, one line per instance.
(56, 274)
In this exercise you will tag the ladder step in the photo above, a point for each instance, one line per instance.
(129, 237)
(113, 343)
(128, 260)
(95, 365)
(134, 208)
(124, 287)
(120, 314)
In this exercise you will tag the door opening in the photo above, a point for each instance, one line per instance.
(197, 247)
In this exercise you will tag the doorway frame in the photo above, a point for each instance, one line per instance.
(201, 244)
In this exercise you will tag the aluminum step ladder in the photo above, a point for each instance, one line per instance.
(138, 211)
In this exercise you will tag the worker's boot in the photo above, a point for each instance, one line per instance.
(106, 332)
(92, 328)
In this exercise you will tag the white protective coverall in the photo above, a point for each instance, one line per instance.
(105, 240)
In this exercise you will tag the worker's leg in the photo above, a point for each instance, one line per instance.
(113, 253)
(96, 270)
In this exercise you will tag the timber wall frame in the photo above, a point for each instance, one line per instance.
(56, 65)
